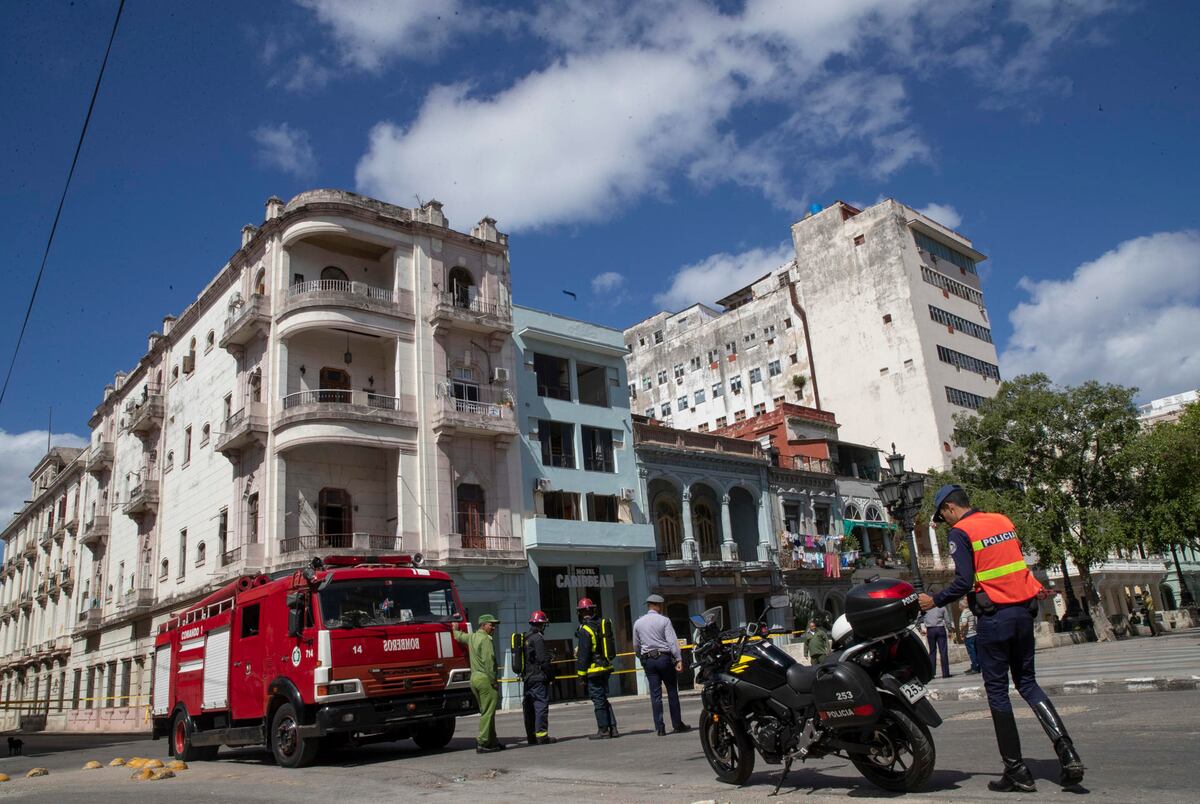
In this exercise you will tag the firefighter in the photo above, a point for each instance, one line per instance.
(537, 674)
(1003, 595)
(593, 666)
(484, 682)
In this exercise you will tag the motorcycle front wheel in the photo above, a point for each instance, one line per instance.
(727, 748)
(901, 754)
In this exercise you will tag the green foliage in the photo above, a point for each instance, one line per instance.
(1163, 464)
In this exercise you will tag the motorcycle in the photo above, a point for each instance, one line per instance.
(865, 702)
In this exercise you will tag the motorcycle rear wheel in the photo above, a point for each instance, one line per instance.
(902, 753)
(727, 748)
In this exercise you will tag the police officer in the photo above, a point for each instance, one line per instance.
(592, 666)
(537, 675)
(989, 565)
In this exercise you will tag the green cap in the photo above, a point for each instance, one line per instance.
(487, 618)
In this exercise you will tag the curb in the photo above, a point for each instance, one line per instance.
(1091, 686)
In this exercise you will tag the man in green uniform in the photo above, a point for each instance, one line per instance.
(483, 680)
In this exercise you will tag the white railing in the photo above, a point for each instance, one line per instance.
(329, 396)
(474, 305)
(343, 286)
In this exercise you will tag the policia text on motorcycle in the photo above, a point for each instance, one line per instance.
(594, 651)
(990, 569)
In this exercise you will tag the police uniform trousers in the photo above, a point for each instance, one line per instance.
(935, 638)
(536, 707)
(1004, 643)
(660, 672)
(487, 698)
(597, 685)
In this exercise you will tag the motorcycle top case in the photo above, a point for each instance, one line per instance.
(845, 695)
(881, 607)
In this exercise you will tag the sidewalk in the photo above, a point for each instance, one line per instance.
(1139, 664)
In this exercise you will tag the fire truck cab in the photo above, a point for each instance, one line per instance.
(350, 648)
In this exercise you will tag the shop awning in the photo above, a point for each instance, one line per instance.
(850, 524)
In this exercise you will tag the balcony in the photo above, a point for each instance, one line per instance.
(43, 593)
(46, 539)
(137, 601)
(90, 618)
(806, 464)
(246, 427)
(461, 312)
(142, 498)
(26, 601)
(146, 416)
(249, 321)
(346, 294)
(66, 579)
(69, 524)
(95, 532)
(317, 543)
(487, 414)
(100, 458)
(30, 550)
(483, 536)
(347, 406)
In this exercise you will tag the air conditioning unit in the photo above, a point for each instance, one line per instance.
(542, 484)
(628, 494)
(500, 374)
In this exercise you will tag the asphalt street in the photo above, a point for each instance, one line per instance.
(1138, 746)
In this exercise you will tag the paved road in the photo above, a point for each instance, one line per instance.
(1137, 746)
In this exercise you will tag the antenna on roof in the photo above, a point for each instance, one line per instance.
(49, 425)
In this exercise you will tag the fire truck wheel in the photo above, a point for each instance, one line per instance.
(436, 735)
(290, 749)
(181, 742)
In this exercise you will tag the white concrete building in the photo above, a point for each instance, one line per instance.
(1167, 408)
(341, 385)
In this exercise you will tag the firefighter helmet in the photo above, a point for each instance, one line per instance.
(585, 603)
(537, 617)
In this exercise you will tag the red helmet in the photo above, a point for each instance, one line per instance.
(585, 603)
(538, 616)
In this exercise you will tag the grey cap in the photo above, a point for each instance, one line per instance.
(656, 599)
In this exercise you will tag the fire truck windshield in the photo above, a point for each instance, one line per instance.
(387, 601)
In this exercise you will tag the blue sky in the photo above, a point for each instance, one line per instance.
(657, 151)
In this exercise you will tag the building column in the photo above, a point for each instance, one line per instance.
(729, 550)
(1156, 595)
(933, 544)
(766, 534)
(639, 590)
(737, 609)
(689, 541)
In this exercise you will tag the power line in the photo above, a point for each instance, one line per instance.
(61, 201)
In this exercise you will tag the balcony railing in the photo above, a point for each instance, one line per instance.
(473, 313)
(100, 458)
(140, 598)
(30, 549)
(599, 463)
(807, 464)
(145, 415)
(482, 412)
(142, 498)
(46, 539)
(243, 428)
(349, 293)
(241, 327)
(231, 556)
(330, 396)
(341, 541)
(95, 531)
(484, 532)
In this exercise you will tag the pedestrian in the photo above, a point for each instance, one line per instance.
(657, 647)
(537, 673)
(966, 625)
(989, 564)
(934, 622)
(1148, 602)
(593, 663)
(808, 634)
(818, 645)
(484, 683)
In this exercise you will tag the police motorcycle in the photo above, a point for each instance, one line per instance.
(866, 701)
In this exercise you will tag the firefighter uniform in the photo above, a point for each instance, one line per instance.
(537, 675)
(592, 666)
(484, 681)
(990, 567)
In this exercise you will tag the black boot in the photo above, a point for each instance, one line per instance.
(613, 733)
(601, 734)
(1068, 757)
(1016, 778)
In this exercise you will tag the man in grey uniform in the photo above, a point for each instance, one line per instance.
(655, 644)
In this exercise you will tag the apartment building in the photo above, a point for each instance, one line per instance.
(39, 584)
(586, 530)
(340, 386)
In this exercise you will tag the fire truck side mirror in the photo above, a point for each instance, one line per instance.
(295, 602)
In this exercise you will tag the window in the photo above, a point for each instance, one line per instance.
(182, 553)
(774, 369)
(464, 387)
(702, 427)
(260, 283)
(558, 443)
(223, 533)
(760, 408)
(787, 323)
(250, 620)
(704, 528)
(205, 432)
(662, 376)
(335, 516)
(642, 341)
(602, 508)
(721, 422)
(962, 361)
(698, 397)
(794, 358)
(667, 530)
(471, 516)
(695, 363)
(649, 413)
(561, 504)
(666, 409)
(963, 399)
(170, 461)
(735, 385)
(779, 400)
(769, 332)
(462, 288)
(592, 384)
(961, 324)
(227, 407)
(739, 416)
(174, 374)
(658, 338)
(941, 251)
(553, 377)
(200, 554)
(887, 319)
(731, 348)
(557, 601)
(678, 370)
(718, 390)
(682, 403)
(755, 375)
(949, 285)
(713, 354)
(632, 389)
(597, 449)
(822, 513)
(749, 338)
(187, 445)
(252, 519)
(646, 384)
(629, 346)
(859, 240)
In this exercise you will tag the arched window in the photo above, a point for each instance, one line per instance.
(164, 569)
(192, 346)
(260, 283)
(873, 514)
(200, 556)
(667, 530)
(851, 512)
(174, 373)
(205, 432)
(209, 340)
(170, 459)
(331, 273)
(704, 529)
(462, 287)
(335, 518)
(471, 515)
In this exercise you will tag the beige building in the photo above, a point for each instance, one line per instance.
(341, 385)
(1166, 409)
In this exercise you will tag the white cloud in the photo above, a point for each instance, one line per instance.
(607, 282)
(367, 32)
(718, 275)
(1130, 317)
(19, 454)
(285, 148)
(944, 214)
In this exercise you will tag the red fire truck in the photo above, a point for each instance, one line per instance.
(350, 648)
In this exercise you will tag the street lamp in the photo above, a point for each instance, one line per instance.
(901, 493)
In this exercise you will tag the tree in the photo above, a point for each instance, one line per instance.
(1053, 459)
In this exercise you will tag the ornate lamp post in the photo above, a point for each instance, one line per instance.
(902, 492)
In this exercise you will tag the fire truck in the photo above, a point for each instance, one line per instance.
(348, 649)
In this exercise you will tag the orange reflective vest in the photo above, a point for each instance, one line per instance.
(1000, 568)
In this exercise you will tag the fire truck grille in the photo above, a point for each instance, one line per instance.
(382, 684)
